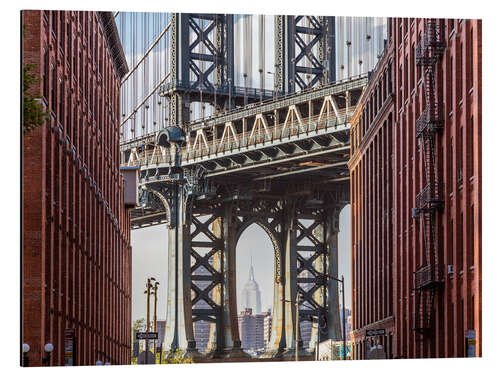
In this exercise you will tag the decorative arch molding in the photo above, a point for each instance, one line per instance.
(273, 235)
(170, 220)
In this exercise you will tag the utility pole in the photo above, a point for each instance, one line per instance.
(297, 328)
(148, 295)
(343, 318)
(155, 292)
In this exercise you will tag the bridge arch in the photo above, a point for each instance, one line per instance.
(271, 228)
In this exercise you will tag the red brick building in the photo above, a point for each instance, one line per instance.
(434, 214)
(372, 192)
(76, 254)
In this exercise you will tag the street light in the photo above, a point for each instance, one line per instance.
(48, 348)
(26, 349)
(275, 91)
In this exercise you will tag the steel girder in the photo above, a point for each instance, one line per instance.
(304, 46)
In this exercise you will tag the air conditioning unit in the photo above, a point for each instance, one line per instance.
(414, 213)
(450, 269)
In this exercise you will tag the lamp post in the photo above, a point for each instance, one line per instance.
(245, 102)
(48, 348)
(275, 91)
(26, 349)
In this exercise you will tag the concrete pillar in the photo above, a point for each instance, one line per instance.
(277, 339)
(180, 334)
(290, 273)
(231, 334)
(333, 311)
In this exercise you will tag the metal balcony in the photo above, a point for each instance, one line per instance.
(432, 45)
(434, 37)
(430, 197)
(429, 121)
(423, 54)
(428, 276)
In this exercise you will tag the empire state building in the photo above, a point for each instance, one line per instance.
(251, 294)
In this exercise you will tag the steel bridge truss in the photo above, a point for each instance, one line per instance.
(304, 52)
(202, 261)
(290, 129)
(202, 46)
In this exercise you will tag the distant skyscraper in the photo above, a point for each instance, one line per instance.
(251, 330)
(251, 293)
(305, 332)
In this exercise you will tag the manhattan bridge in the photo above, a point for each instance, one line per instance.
(234, 120)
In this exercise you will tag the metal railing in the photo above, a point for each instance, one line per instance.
(209, 89)
(430, 196)
(427, 276)
(277, 132)
(281, 98)
(429, 121)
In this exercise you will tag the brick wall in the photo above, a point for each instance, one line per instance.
(384, 145)
(76, 234)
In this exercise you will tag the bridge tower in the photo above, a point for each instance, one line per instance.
(202, 46)
(205, 221)
(304, 52)
(280, 164)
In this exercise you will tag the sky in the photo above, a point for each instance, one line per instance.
(149, 259)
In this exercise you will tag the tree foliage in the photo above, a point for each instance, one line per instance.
(176, 358)
(34, 114)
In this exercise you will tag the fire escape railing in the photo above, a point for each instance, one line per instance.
(428, 277)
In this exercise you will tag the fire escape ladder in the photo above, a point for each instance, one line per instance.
(428, 277)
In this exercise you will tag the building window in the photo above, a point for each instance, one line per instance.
(470, 62)
(53, 90)
(54, 24)
(412, 65)
(60, 115)
(74, 59)
(450, 245)
(68, 47)
(471, 148)
(472, 234)
(61, 31)
(460, 242)
(459, 78)
(45, 73)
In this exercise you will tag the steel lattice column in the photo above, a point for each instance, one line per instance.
(208, 57)
(302, 50)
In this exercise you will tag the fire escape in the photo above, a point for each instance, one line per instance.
(428, 277)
